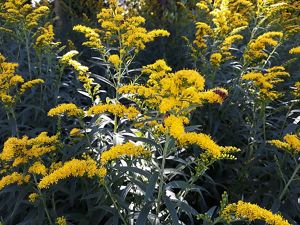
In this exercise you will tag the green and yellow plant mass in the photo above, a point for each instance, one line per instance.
(149, 112)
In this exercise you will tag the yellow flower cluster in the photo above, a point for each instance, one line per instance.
(115, 109)
(45, 37)
(69, 109)
(265, 82)
(127, 149)
(75, 132)
(256, 48)
(228, 18)
(33, 197)
(202, 29)
(291, 143)
(61, 220)
(38, 168)
(30, 84)
(20, 150)
(296, 91)
(13, 178)
(175, 127)
(92, 35)
(9, 82)
(215, 59)
(19, 12)
(83, 71)
(73, 168)
(251, 212)
(115, 60)
(173, 92)
(295, 50)
(117, 25)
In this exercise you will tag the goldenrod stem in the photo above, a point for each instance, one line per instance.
(161, 175)
(118, 209)
(289, 182)
(43, 200)
(28, 55)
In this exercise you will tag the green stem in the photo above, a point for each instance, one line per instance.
(289, 182)
(263, 108)
(13, 121)
(43, 200)
(28, 55)
(161, 175)
(118, 209)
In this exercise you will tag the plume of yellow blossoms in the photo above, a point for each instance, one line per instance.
(38, 168)
(21, 150)
(173, 92)
(61, 220)
(115, 109)
(69, 109)
(22, 14)
(127, 149)
(251, 212)
(45, 37)
(175, 127)
(295, 50)
(33, 197)
(12, 85)
(228, 19)
(291, 143)
(120, 29)
(265, 82)
(13, 178)
(74, 168)
(296, 91)
(256, 47)
(83, 73)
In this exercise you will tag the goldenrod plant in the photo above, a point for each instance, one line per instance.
(117, 119)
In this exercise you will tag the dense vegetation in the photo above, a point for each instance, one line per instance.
(149, 112)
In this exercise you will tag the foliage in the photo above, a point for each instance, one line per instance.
(145, 112)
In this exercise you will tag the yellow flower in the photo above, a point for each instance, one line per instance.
(175, 126)
(19, 12)
(38, 168)
(215, 59)
(265, 82)
(118, 26)
(296, 91)
(75, 132)
(20, 150)
(33, 197)
(291, 143)
(45, 37)
(202, 30)
(61, 220)
(118, 151)
(33, 18)
(115, 60)
(92, 36)
(12, 178)
(73, 168)
(115, 109)
(252, 212)
(295, 50)
(30, 84)
(256, 48)
(9, 82)
(69, 109)
(173, 92)
(82, 71)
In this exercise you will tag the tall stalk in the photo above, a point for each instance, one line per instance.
(27, 45)
(161, 175)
